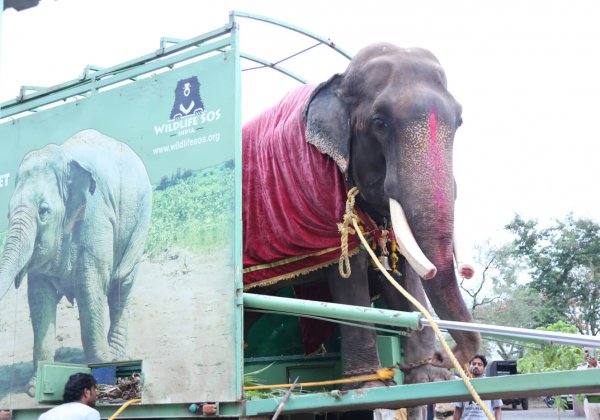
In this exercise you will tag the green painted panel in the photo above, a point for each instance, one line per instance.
(154, 228)
(390, 354)
(52, 378)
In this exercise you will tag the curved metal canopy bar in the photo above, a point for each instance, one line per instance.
(274, 66)
(294, 28)
(320, 40)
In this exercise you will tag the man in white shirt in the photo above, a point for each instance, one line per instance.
(470, 409)
(79, 399)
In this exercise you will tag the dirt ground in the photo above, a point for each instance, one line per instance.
(181, 326)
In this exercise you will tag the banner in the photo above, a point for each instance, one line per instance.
(120, 235)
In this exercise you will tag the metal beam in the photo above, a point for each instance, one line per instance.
(532, 385)
(520, 334)
(333, 310)
(413, 320)
(274, 66)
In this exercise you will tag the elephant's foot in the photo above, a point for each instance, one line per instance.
(117, 343)
(425, 373)
(30, 387)
(118, 354)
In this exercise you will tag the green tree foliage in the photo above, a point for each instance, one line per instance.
(563, 261)
(551, 357)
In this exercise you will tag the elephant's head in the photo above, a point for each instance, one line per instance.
(389, 123)
(49, 198)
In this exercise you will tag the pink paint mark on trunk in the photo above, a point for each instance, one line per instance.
(436, 162)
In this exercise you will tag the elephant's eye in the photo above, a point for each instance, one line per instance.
(43, 211)
(378, 124)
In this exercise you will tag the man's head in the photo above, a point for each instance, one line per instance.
(591, 356)
(477, 365)
(81, 387)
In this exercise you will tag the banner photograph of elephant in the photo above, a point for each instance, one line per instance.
(90, 254)
(386, 125)
(78, 221)
(119, 239)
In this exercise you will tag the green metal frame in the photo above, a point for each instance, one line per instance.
(553, 383)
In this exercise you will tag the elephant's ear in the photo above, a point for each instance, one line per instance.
(80, 182)
(328, 122)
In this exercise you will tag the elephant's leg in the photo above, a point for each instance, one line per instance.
(118, 299)
(419, 347)
(359, 345)
(91, 297)
(43, 300)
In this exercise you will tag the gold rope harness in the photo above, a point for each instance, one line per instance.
(345, 229)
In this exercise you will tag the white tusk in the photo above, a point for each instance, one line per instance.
(408, 245)
(465, 269)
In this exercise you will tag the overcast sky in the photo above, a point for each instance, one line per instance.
(526, 73)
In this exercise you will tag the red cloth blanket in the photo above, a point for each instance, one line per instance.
(293, 198)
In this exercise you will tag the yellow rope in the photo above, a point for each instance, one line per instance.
(384, 374)
(345, 230)
(123, 407)
(425, 313)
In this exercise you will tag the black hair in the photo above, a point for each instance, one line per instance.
(75, 386)
(481, 357)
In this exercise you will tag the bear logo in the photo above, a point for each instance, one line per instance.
(187, 98)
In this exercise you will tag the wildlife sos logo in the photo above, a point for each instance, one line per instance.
(188, 112)
(187, 98)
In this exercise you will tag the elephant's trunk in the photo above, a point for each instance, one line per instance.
(442, 289)
(18, 248)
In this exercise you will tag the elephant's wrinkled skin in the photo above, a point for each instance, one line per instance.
(389, 123)
(78, 220)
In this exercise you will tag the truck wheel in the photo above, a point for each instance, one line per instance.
(525, 403)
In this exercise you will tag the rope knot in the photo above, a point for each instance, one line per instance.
(346, 229)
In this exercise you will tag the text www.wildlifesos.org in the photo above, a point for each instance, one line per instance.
(182, 144)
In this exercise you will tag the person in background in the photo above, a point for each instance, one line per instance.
(470, 409)
(79, 400)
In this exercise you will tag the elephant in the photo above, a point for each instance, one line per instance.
(78, 220)
(386, 125)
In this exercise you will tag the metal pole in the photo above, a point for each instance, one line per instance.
(411, 320)
(523, 334)
(333, 310)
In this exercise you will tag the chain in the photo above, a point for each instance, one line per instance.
(410, 366)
